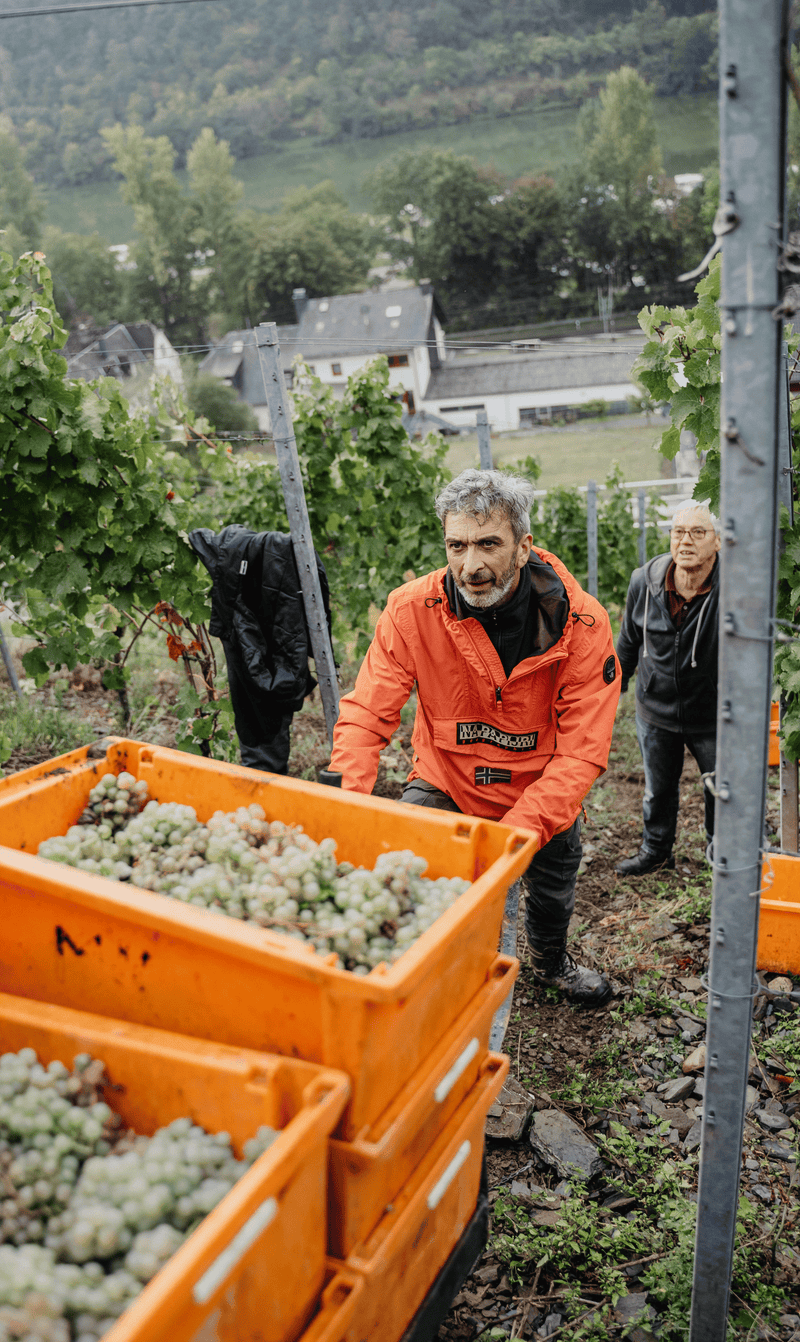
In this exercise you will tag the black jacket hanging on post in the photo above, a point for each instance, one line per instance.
(257, 612)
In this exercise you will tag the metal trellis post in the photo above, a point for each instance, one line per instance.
(591, 536)
(9, 665)
(788, 768)
(751, 167)
(292, 481)
(642, 527)
(484, 440)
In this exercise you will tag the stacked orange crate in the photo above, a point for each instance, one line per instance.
(412, 1037)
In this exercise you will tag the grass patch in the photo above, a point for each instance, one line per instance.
(572, 455)
(527, 143)
(28, 726)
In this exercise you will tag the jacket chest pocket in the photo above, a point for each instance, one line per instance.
(492, 741)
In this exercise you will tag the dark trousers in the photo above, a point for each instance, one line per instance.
(264, 727)
(662, 756)
(548, 883)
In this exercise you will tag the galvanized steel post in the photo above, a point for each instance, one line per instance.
(294, 495)
(591, 537)
(642, 527)
(484, 440)
(788, 768)
(751, 166)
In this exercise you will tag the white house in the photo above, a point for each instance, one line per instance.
(530, 388)
(336, 336)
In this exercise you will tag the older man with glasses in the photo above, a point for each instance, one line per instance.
(669, 635)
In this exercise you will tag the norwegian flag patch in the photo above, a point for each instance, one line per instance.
(485, 775)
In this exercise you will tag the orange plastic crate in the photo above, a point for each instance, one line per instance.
(337, 1305)
(257, 1261)
(408, 1248)
(367, 1173)
(779, 915)
(774, 754)
(83, 941)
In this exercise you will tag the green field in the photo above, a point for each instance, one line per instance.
(531, 142)
(574, 455)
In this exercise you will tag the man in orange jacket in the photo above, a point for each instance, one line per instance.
(517, 687)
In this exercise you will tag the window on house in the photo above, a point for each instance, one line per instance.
(408, 401)
(398, 361)
(456, 409)
(336, 369)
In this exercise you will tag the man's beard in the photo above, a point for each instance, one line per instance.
(493, 595)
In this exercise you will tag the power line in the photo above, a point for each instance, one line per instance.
(99, 4)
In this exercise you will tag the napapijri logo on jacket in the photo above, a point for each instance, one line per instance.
(469, 733)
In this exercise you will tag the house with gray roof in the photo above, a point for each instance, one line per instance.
(521, 389)
(336, 336)
(122, 350)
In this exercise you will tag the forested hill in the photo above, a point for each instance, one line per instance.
(259, 71)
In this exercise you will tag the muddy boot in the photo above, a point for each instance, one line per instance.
(554, 967)
(643, 862)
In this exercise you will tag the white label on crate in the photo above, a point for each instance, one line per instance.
(215, 1275)
(441, 1186)
(461, 1063)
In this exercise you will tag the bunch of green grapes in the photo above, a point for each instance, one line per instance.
(269, 873)
(94, 1215)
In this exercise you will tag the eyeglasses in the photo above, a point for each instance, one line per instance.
(696, 533)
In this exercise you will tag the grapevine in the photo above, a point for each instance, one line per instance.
(245, 866)
(681, 363)
(91, 1211)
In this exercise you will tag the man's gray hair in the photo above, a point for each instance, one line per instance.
(481, 493)
(702, 508)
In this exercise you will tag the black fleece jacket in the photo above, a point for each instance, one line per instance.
(676, 687)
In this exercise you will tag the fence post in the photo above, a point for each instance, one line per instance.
(591, 536)
(752, 114)
(642, 527)
(484, 440)
(788, 768)
(280, 414)
(9, 665)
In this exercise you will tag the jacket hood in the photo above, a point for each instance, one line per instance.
(552, 600)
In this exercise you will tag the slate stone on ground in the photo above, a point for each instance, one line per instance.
(773, 1122)
(510, 1112)
(679, 1119)
(750, 1099)
(696, 1060)
(679, 1089)
(693, 1137)
(777, 1150)
(561, 1143)
(633, 1306)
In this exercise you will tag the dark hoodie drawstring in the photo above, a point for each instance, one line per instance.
(644, 626)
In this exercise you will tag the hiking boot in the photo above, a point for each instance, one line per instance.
(643, 862)
(554, 967)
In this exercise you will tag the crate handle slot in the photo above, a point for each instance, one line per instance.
(244, 1239)
(443, 1183)
(461, 1063)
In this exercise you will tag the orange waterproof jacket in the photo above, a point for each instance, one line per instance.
(525, 749)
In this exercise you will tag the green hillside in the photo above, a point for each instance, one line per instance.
(526, 143)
